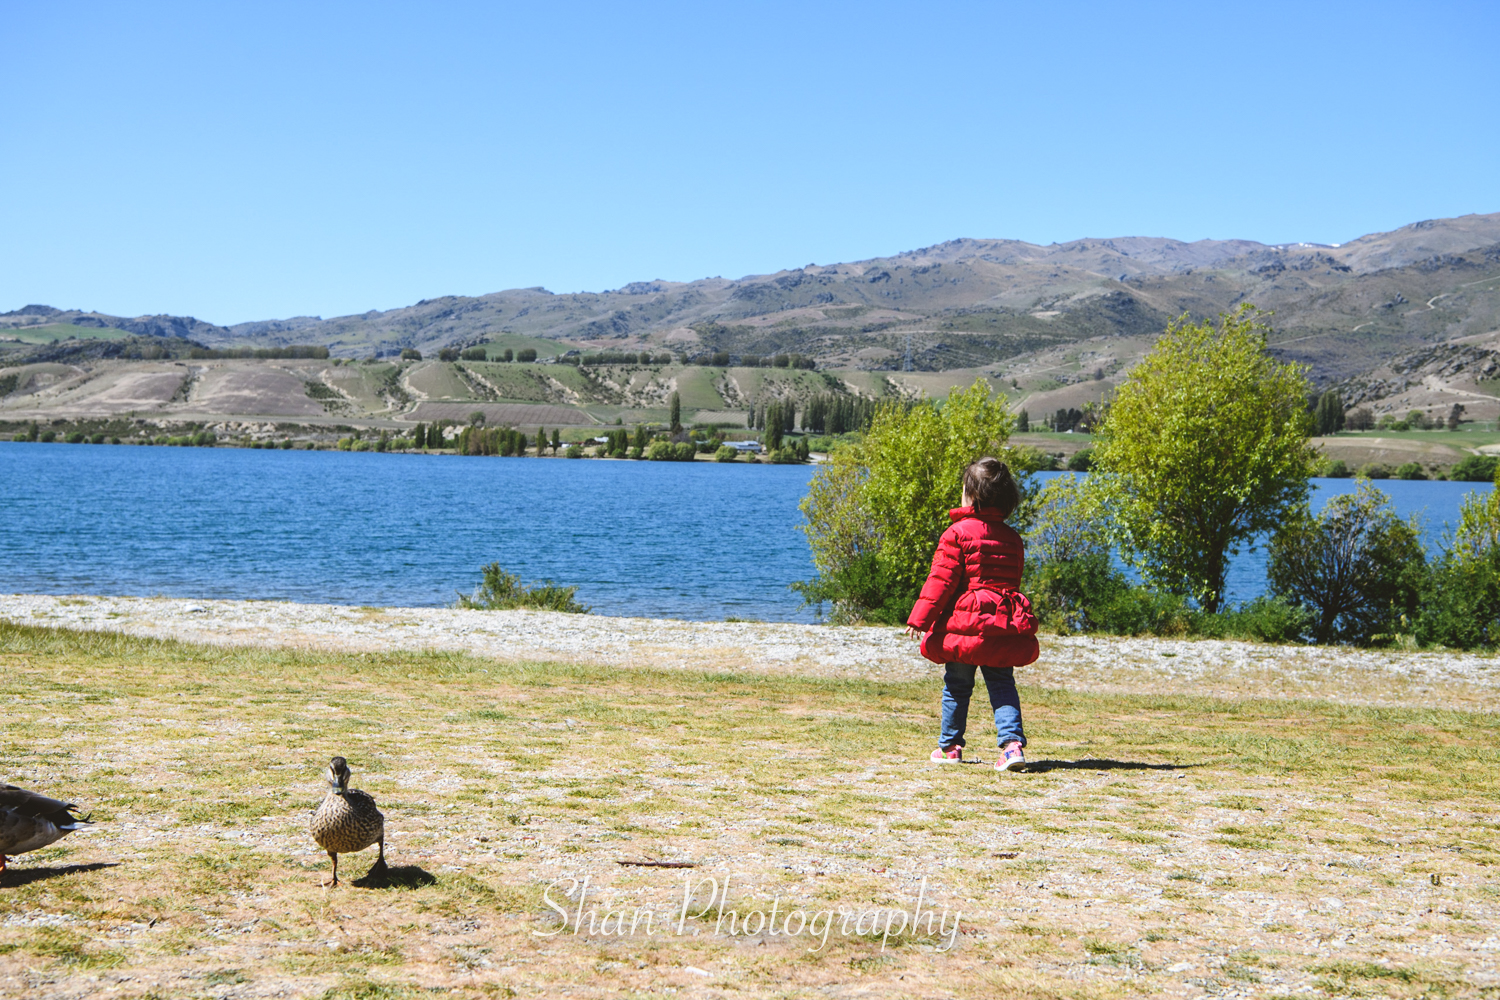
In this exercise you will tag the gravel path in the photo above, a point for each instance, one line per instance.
(1146, 666)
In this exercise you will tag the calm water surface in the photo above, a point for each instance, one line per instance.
(663, 539)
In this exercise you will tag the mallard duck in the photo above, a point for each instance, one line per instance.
(347, 820)
(29, 821)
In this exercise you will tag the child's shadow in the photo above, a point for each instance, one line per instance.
(395, 877)
(1090, 764)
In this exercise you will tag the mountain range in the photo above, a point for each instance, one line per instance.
(1065, 312)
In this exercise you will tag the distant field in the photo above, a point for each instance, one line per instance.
(517, 342)
(1052, 443)
(1462, 439)
(54, 332)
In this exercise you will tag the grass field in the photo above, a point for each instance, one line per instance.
(1466, 437)
(544, 347)
(54, 332)
(1161, 845)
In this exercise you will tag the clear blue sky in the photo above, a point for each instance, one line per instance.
(258, 160)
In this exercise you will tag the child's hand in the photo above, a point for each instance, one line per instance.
(913, 630)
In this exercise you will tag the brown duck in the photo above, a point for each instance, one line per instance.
(29, 821)
(347, 820)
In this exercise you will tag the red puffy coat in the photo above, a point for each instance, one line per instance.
(970, 607)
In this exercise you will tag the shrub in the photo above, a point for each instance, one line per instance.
(1336, 469)
(666, 451)
(502, 591)
(726, 454)
(75, 437)
(1374, 470)
(1461, 600)
(1357, 567)
(1475, 469)
(887, 498)
(1069, 573)
(526, 354)
(1410, 470)
(1265, 619)
(474, 354)
(411, 354)
(1082, 461)
(864, 588)
(574, 451)
(97, 439)
(448, 354)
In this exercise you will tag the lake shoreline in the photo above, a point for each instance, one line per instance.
(1102, 664)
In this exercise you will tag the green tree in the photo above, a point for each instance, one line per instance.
(1205, 446)
(773, 426)
(1356, 565)
(556, 440)
(1329, 416)
(875, 510)
(1023, 422)
(674, 406)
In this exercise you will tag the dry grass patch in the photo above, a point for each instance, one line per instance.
(1163, 843)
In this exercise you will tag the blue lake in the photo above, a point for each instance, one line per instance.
(661, 539)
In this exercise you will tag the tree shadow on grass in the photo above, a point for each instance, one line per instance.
(1090, 764)
(395, 877)
(14, 878)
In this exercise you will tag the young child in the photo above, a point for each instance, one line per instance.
(972, 616)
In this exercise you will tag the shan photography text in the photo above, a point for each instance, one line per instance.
(706, 909)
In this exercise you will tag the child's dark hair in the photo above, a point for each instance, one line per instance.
(989, 484)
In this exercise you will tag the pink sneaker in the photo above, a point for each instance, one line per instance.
(1011, 758)
(952, 755)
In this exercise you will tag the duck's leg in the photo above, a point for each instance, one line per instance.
(330, 885)
(379, 865)
(3, 859)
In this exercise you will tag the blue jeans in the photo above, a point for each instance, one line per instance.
(958, 687)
